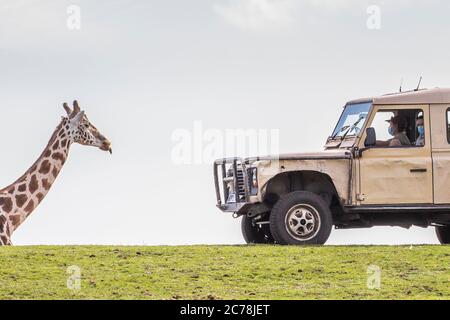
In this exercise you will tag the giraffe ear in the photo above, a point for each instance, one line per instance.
(76, 107)
(67, 108)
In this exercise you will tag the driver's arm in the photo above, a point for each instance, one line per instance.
(395, 143)
(381, 143)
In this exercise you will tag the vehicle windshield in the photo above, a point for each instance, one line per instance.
(352, 120)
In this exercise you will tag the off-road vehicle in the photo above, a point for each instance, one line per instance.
(359, 180)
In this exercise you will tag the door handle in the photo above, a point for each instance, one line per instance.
(418, 170)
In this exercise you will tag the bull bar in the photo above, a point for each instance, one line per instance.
(222, 197)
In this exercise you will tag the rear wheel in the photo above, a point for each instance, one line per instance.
(301, 218)
(255, 233)
(443, 234)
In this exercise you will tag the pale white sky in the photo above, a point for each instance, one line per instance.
(143, 69)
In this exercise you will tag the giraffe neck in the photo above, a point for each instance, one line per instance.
(19, 200)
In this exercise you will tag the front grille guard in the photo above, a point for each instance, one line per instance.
(222, 202)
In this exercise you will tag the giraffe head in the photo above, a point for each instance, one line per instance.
(82, 131)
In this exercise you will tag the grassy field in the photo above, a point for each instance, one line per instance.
(225, 272)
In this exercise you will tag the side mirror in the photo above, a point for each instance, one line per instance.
(371, 137)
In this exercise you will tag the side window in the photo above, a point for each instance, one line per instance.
(400, 128)
(381, 125)
(448, 125)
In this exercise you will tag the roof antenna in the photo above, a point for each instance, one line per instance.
(401, 84)
(418, 86)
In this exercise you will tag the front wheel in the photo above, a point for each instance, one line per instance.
(255, 233)
(443, 234)
(301, 218)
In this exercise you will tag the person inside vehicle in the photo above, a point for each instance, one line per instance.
(420, 129)
(397, 129)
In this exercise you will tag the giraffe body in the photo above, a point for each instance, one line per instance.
(18, 200)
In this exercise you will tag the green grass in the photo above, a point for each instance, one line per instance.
(225, 272)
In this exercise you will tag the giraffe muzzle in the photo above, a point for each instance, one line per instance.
(106, 146)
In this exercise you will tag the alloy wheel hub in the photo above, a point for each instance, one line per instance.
(302, 222)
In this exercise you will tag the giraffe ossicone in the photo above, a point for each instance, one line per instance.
(18, 200)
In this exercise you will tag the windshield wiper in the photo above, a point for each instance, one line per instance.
(353, 126)
(342, 129)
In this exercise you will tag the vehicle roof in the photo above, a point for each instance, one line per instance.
(422, 96)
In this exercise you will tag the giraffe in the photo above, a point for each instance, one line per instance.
(18, 200)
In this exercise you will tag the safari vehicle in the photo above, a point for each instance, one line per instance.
(355, 182)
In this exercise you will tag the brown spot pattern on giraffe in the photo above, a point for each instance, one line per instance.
(46, 184)
(4, 239)
(45, 167)
(40, 196)
(8, 230)
(21, 199)
(55, 172)
(58, 156)
(22, 188)
(33, 185)
(29, 207)
(6, 204)
(15, 219)
(2, 223)
(48, 153)
(56, 145)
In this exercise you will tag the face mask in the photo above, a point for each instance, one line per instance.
(421, 130)
(391, 131)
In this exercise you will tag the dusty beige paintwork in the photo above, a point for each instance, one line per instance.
(382, 175)
(425, 96)
(440, 154)
(334, 163)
